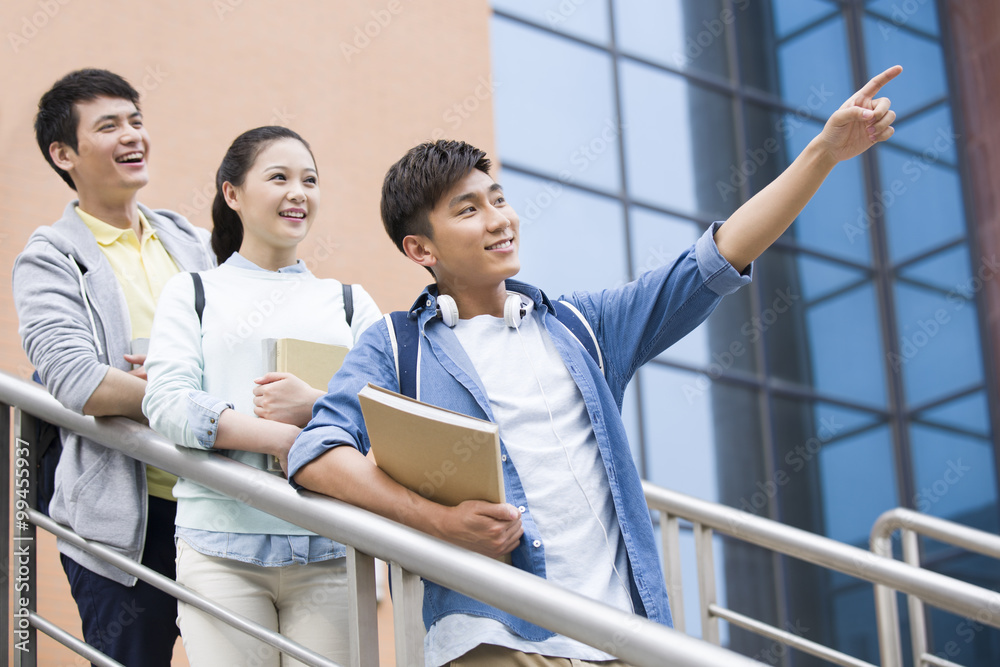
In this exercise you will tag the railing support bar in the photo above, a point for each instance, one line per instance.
(706, 582)
(363, 608)
(787, 638)
(72, 643)
(25, 457)
(670, 534)
(407, 616)
(918, 625)
(5, 464)
(183, 594)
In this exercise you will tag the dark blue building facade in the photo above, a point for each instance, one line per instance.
(855, 374)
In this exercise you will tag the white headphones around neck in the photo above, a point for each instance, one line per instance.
(513, 310)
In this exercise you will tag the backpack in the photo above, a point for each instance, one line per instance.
(403, 331)
(47, 452)
(199, 298)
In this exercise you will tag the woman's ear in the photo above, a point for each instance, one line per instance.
(229, 193)
(420, 249)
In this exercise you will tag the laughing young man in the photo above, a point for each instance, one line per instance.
(497, 349)
(85, 288)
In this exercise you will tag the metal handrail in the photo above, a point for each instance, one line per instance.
(911, 524)
(939, 590)
(634, 639)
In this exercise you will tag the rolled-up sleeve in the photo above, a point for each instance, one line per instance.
(175, 402)
(718, 274)
(203, 412)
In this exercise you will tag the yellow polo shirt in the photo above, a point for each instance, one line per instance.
(142, 267)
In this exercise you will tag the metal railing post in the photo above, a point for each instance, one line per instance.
(25, 491)
(670, 534)
(5, 587)
(407, 616)
(705, 555)
(363, 608)
(918, 624)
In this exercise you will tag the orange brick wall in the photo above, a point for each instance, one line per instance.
(362, 81)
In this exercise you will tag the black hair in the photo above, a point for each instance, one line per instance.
(413, 186)
(57, 118)
(227, 227)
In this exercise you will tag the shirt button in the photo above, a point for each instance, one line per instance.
(521, 509)
(210, 433)
(503, 457)
(211, 421)
(536, 543)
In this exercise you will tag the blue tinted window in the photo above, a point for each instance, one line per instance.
(845, 347)
(679, 141)
(955, 477)
(555, 106)
(570, 239)
(896, 14)
(947, 270)
(854, 495)
(816, 85)
(820, 277)
(854, 623)
(680, 430)
(939, 350)
(969, 413)
(923, 77)
(677, 33)
(792, 15)
(931, 133)
(588, 20)
(922, 203)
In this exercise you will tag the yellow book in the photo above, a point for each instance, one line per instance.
(314, 363)
(444, 456)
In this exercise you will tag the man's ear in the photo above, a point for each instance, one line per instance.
(420, 249)
(229, 194)
(62, 155)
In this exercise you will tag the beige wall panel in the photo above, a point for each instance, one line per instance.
(362, 81)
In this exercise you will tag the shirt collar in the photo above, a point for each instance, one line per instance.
(240, 262)
(106, 234)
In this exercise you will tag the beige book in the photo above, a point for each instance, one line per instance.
(444, 456)
(314, 363)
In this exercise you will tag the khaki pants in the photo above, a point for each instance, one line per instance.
(306, 603)
(488, 655)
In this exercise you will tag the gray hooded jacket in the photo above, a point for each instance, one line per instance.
(74, 324)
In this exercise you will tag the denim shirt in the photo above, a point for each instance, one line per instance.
(633, 324)
(262, 550)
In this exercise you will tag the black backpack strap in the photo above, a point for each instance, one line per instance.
(199, 295)
(406, 344)
(573, 320)
(348, 303)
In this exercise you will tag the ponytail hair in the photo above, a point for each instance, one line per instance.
(227, 227)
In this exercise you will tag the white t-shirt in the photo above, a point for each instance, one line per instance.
(558, 477)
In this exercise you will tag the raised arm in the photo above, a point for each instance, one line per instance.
(862, 121)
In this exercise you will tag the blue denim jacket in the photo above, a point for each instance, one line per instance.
(633, 324)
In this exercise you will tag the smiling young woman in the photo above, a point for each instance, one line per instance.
(209, 389)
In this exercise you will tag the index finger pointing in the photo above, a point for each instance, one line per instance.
(871, 88)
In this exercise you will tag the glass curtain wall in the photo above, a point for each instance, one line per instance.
(849, 377)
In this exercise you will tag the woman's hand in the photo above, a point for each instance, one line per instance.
(284, 398)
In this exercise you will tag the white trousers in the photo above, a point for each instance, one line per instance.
(306, 603)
